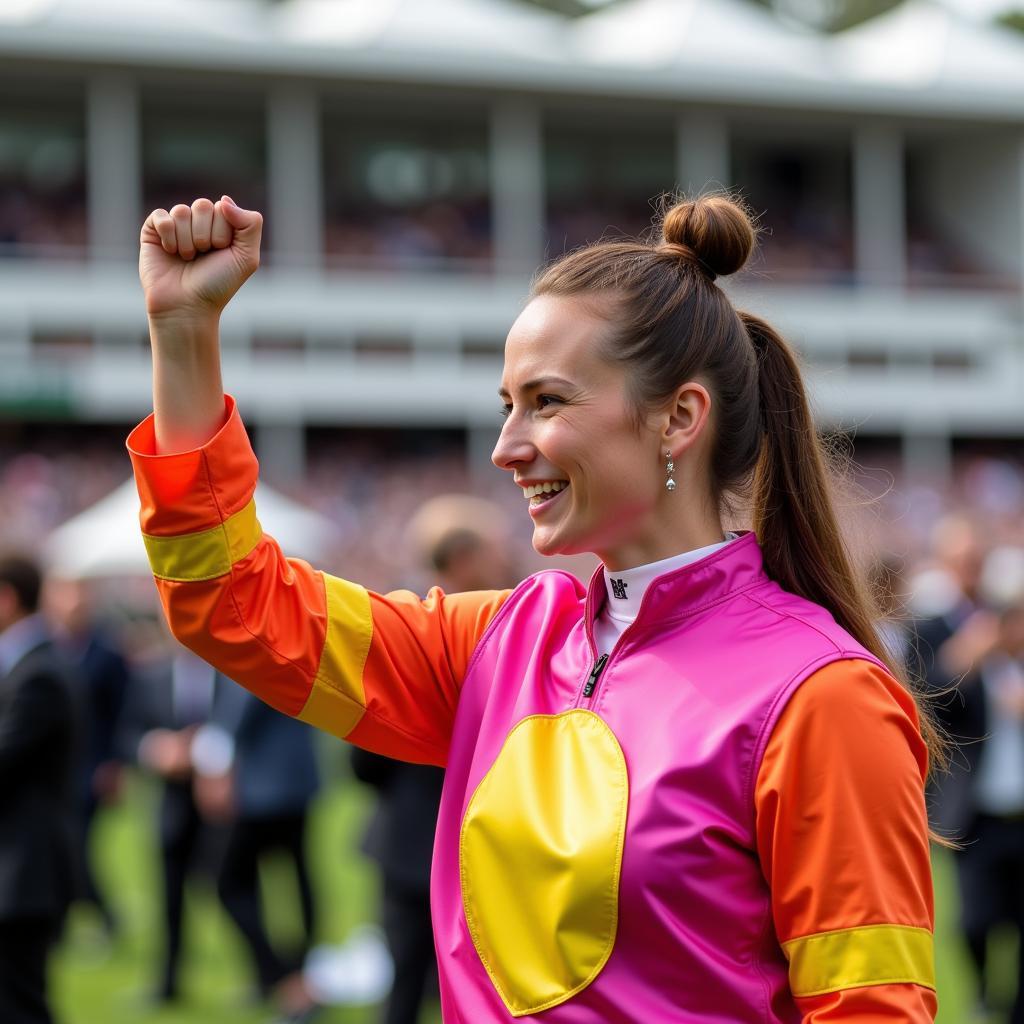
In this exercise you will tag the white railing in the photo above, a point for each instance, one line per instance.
(405, 349)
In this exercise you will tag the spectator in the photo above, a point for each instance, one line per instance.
(967, 655)
(255, 771)
(37, 846)
(102, 676)
(167, 703)
(992, 788)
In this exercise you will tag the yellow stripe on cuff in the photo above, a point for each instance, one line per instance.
(207, 554)
(879, 954)
(338, 698)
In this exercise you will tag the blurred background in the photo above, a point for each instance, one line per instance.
(416, 161)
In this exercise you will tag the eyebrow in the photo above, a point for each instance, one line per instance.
(538, 382)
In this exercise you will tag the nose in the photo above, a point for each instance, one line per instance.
(513, 446)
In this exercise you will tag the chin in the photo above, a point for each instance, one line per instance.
(548, 545)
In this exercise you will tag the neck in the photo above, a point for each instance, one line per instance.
(681, 520)
(658, 546)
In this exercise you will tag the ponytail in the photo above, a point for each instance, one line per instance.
(794, 514)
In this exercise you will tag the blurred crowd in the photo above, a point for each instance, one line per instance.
(438, 235)
(236, 779)
(47, 225)
(810, 237)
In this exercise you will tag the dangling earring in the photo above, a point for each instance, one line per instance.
(670, 484)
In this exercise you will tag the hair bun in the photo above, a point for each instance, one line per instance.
(716, 229)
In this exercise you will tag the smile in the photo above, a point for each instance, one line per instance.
(542, 496)
(547, 488)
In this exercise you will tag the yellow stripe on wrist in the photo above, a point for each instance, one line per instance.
(880, 954)
(208, 554)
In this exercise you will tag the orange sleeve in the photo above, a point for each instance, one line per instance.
(842, 835)
(383, 671)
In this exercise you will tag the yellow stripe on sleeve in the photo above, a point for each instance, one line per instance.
(337, 700)
(880, 954)
(208, 554)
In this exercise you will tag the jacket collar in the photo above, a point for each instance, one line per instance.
(674, 595)
(20, 638)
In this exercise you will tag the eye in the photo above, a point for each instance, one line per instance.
(505, 411)
(543, 401)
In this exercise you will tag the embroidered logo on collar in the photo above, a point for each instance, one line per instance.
(619, 589)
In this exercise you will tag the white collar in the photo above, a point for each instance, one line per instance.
(627, 587)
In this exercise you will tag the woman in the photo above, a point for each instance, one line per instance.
(692, 791)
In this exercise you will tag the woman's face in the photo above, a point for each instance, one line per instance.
(570, 425)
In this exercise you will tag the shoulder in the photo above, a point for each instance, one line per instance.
(41, 662)
(857, 686)
(41, 686)
(850, 711)
(550, 591)
(813, 623)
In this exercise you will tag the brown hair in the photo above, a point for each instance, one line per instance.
(22, 575)
(672, 324)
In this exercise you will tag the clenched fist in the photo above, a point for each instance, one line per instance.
(194, 258)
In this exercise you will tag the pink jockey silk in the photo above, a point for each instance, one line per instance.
(691, 692)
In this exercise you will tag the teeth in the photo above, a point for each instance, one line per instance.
(548, 487)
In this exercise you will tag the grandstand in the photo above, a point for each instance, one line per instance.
(417, 160)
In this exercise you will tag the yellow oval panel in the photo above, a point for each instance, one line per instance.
(540, 855)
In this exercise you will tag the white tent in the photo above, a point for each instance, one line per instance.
(105, 540)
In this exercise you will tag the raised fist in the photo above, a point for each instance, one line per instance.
(194, 258)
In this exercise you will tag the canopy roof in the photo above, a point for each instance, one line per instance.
(924, 55)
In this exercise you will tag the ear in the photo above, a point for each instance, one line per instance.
(685, 418)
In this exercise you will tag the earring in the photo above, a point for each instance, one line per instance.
(670, 484)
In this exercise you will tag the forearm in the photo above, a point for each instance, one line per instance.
(192, 260)
(188, 396)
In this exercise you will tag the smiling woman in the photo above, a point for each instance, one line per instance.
(692, 790)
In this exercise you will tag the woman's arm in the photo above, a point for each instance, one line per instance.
(383, 671)
(192, 260)
(843, 841)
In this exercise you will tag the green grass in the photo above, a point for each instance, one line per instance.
(94, 984)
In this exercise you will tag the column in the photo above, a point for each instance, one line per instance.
(879, 206)
(702, 151)
(927, 456)
(281, 448)
(295, 208)
(517, 185)
(480, 441)
(113, 166)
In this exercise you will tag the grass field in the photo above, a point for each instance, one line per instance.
(96, 983)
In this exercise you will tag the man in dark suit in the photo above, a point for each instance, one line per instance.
(101, 676)
(166, 704)
(981, 800)
(37, 823)
(255, 771)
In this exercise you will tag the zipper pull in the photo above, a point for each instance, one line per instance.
(595, 674)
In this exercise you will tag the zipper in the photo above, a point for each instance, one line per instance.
(595, 674)
(590, 686)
